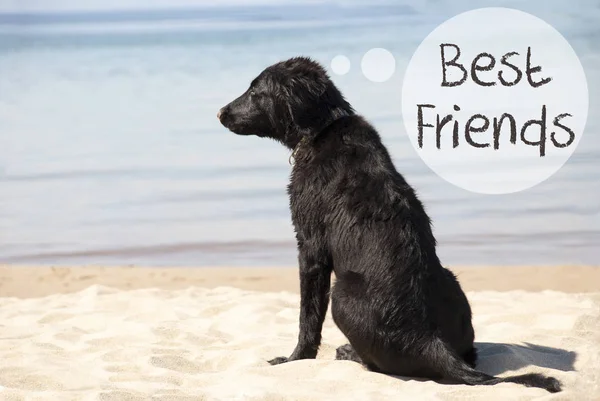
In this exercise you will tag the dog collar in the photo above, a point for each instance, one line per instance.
(297, 149)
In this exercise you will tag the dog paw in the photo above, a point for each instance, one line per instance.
(278, 360)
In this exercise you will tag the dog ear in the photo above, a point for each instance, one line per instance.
(307, 102)
(311, 98)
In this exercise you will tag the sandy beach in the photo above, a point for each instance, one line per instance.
(133, 333)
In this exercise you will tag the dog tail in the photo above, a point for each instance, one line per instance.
(455, 369)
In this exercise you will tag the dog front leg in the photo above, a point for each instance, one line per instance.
(315, 281)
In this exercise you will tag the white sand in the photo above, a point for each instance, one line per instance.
(212, 344)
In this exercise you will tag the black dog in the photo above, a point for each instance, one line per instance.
(354, 214)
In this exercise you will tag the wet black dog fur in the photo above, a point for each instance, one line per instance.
(355, 215)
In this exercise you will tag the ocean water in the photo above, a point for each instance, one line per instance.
(111, 153)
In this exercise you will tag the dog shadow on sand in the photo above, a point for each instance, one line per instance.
(497, 358)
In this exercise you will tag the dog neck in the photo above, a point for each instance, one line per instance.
(307, 137)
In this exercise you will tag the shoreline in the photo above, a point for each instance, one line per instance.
(39, 281)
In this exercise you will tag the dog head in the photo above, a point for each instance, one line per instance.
(287, 101)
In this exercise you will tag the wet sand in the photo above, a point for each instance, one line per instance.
(36, 281)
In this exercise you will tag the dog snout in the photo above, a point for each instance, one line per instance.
(222, 113)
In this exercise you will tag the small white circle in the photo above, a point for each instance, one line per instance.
(491, 110)
(340, 64)
(378, 65)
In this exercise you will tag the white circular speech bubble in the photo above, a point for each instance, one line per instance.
(340, 64)
(378, 65)
(495, 100)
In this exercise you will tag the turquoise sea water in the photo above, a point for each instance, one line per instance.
(111, 153)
